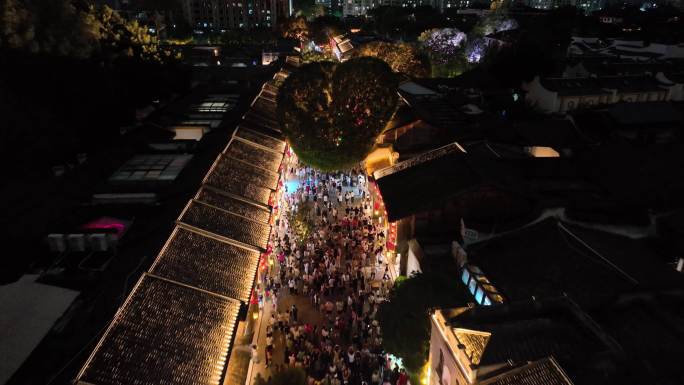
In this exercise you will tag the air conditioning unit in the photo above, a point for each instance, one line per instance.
(76, 242)
(98, 242)
(57, 243)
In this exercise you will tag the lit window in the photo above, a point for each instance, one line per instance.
(465, 276)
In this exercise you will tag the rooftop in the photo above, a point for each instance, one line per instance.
(646, 113)
(164, 333)
(207, 263)
(225, 224)
(242, 179)
(254, 154)
(649, 329)
(543, 260)
(401, 183)
(233, 204)
(542, 372)
(260, 139)
(511, 335)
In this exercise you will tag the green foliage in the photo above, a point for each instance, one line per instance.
(58, 27)
(301, 223)
(311, 56)
(401, 57)
(332, 113)
(295, 28)
(288, 376)
(404, 319)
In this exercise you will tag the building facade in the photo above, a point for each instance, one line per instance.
(235, 14)
(585, 5)
(458, 357)
(562, 95)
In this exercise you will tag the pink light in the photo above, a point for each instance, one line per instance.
(108, 223)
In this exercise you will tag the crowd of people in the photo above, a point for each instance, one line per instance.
(340, 268)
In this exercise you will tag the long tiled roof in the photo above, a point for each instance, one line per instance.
(237, 170)
(226, 224)
(541, 372)
(260, 139)
(236, 181)
(258, 120)
(254, 155)
(177, 325)
(165, 333)
(233, 204)
(208, 263)
(265, 106)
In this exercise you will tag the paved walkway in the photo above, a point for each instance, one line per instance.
(306, 311)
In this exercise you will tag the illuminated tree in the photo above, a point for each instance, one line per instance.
(476, 50)
(446, 50)
(310, 56)
(443, 44)
(295, 28)
(332, 113)
(401, 57)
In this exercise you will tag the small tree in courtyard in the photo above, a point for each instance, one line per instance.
(404, 319)
(332, 113)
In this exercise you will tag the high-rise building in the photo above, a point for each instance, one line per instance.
(235, 14)
(585, 5)
(361, 7)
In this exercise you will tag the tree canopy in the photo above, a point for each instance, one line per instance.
(401, 57)
(107, 67)
(72, 29)
(332, 113)
(404, 319)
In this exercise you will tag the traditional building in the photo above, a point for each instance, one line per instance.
(180, 321)
(562, 95)
(541, 342)
(341, 47)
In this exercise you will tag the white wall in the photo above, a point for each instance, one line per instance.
(538, 96)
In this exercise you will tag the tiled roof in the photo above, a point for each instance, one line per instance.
(541, 372)
(475, 343)
(242, 179)
(574, 86)
(226, 224)
(207, 263)
(270, 87)
(165, 333)
(265, 106)
(232, 204)
(602, 85)
(258, 120)
(254, 155)
(241, 171)
(261, 139)
(543, 260)
(435, 176)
